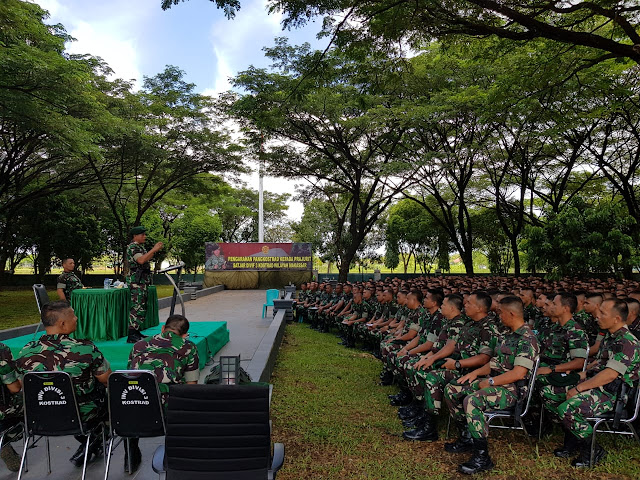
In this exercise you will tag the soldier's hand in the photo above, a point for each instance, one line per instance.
(483, 384)
(572, 393)
(158, 246)
(449, 364)
(468, 378)
(544, 371)
(583, 375)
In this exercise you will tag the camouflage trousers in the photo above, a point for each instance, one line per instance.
(138, 312)
(467, 403)
(431, 386)
(388, 351)
(574, 412)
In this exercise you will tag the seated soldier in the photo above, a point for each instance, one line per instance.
(617, 362)
(171, 357)
(10, 405)
(67, 281)
(492, 386)
(81, 359)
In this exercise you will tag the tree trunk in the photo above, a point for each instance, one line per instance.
(467, 260)
(516, 256)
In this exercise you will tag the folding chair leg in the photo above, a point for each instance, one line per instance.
(593, 447)
(86, 456)
(48, 454)
(540, 424)
(107, 458)
(127, 445)
(24, 456)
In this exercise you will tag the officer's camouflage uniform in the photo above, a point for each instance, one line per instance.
(171, 358)
(10, 404)
(634, 328)
(532, 315)
(428, 327)
(474, 339)
(81, 359)
(468, 402)
(68, 282)
(561, 345)
(138, 282)
(451, 330)
(619, 351)
(590, 325)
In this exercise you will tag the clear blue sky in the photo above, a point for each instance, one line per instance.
(136, 37)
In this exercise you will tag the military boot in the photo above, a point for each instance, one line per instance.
(480, 460)
(401, 399)
(386, 378)
(95, 448)
(10, 457)
(136, 455)
(584, 459)
(413, 409)
(463, 444)
(426, 431)
(569, 445)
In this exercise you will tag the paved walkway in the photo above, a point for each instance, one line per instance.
(241, 309)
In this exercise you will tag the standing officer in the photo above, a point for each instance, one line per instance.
(81, 359)
(171, 357)
(138, 280)
(67, 281)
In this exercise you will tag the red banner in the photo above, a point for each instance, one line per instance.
(258, 256)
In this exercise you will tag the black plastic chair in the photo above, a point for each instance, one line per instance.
(135, 409)
(622, 415)
(51, 410)
(218, 432)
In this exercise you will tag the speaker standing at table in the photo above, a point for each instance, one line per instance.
(138, 280)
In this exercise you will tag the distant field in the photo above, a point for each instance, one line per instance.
(18, 305)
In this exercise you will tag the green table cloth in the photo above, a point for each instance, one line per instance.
(104, 314)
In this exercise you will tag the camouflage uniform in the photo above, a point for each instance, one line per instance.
(428, 327)
(138, 282)
(215, 263)
(450, 332)
(474, 339)
(561, 345)
(68, 282)
(81, 359)
(590, 325)
(619, 351)
(468, 402)
(634, 328)
(171, 358)
(11, 406)
(532, 315)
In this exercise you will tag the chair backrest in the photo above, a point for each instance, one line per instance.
(42, 298)
(50, 406)
(272, 294)
(135, 408)
(532, 381)
(218, 432)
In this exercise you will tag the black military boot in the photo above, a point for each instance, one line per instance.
(569, 446)
(401, 399)
(414, 422)
(480, 460)
(426, 431)
(95, 448)
(584, 459)
(386, 378)
(414, 409)
(134, 336)
(136, 455)
(463, 444)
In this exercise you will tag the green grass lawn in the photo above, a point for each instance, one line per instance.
(18, 305)
(336, 423)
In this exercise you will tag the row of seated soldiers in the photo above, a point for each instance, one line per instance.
(169, 355)
(452, 342)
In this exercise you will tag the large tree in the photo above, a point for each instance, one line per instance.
(329, 127)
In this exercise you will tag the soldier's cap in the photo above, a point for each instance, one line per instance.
(138, 230)
(214, 247)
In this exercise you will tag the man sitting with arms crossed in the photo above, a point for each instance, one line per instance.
(81, 359)
(171, 357)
